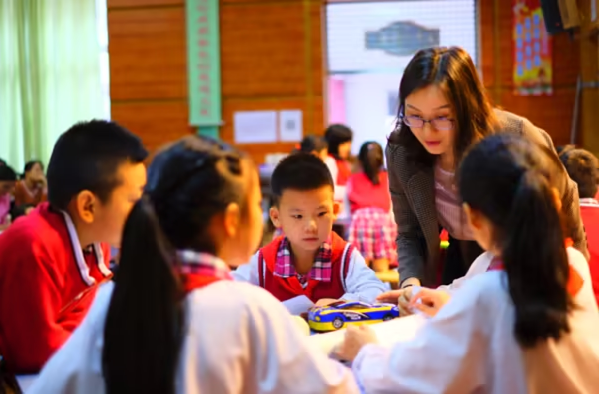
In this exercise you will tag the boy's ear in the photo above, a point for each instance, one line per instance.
(86, 204)
(274, 215)
(231, 219)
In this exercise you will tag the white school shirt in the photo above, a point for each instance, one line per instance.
(469, 347)
(577, 260)
(239, 339)
(361, 283)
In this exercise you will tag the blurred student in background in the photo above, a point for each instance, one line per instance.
(339, 143)
(372, 230)
(32, 189)
(8, 179)
(315, 145)
(582, 167)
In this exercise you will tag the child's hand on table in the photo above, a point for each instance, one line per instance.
(326, 301)
(354, 340)
(431, 301)
(401, 297)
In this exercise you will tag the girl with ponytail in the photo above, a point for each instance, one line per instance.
(372, 229)
(511, 327)
(173, 321)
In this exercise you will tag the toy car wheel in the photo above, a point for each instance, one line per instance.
(388, 317)
(337, 323)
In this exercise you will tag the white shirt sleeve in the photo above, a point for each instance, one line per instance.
(479, 266)
(361, 282)
(332, 165)
(445, 355)
(77, 366)
(248, 272)
(256, 347)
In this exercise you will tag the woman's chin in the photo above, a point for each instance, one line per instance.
(434, 149)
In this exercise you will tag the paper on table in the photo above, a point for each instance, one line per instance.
(298, 305)
(388, 332)
(252, 127)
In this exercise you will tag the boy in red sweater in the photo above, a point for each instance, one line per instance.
(582, 167)
(310, 259)
(53, 260)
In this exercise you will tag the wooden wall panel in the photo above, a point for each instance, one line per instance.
(272, 59)
(588, 39)
(156, 122)
(486, 42)
(552, 113)
(147, 53)
(113, 4)
(262, 50)
(147, 56)
(258, 151)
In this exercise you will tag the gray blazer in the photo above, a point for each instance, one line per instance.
(413, 198)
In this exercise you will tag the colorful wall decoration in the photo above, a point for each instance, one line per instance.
(204, 65)
(532, 50)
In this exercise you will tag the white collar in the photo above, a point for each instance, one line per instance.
(84, 270)
(588, 202)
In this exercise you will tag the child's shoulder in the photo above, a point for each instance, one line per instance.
(36, 233)
(34, 227)
(233, 298)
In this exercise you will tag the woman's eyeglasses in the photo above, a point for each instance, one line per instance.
(442, 123)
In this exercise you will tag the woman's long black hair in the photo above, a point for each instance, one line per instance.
(370, 157)
(511, 181)
(188, 183)
(453, 70)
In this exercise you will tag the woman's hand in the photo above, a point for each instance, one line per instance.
(431, 301)
(325, 301)
(401, 297)
(355, 339)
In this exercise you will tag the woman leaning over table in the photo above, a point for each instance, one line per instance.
(443, 111)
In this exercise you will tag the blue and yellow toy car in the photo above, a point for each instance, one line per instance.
(341, 314)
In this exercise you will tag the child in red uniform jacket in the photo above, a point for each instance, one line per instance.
(54, 259)
(310, 259)
(372, 229)
(582, 167)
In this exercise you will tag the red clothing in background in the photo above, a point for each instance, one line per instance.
(364, 194)
(47, 284)
(343, 173)
(589, 217)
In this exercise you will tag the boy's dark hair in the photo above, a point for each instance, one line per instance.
(20, 210)
(336, 135)
(7, 174)
(560, 149)
(189, 183)
(582, 167)
(87, 157)
(302, 172)
(371, 160)
(511, 181)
